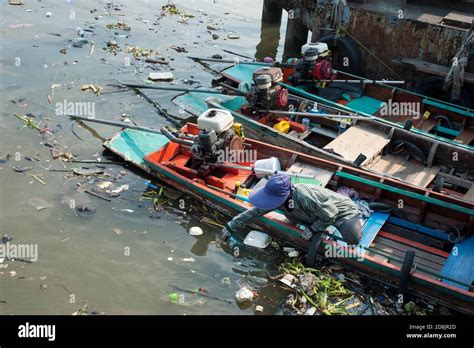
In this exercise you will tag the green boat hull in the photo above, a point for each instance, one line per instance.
(364, 106)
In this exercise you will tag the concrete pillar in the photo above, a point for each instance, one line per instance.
(272, 11)
(296, 35)
(270, 31)
(269, 40)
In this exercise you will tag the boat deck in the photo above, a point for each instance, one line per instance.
(408, 170)
(359, 140)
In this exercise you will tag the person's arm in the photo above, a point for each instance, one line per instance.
(243, 218)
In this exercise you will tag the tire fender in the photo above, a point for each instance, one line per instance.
(347, 48)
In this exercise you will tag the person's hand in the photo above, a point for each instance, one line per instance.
(225, 234)
(307, 234)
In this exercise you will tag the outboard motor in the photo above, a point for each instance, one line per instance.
(314, 65)
(216, 134)
(267, 94)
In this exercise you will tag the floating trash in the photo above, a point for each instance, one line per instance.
(6, 238)
(225, 281)
(161, 76)
(85, 210)
(257, 239)
(244, 295)
(294, 254)
(4, 157)
(195, 231)
(174, 297)
(39, 203)
(20, 169)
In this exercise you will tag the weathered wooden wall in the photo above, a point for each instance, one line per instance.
(388, 37)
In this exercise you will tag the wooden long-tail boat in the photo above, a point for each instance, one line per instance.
(422, 161)
(437, 119)
(438, 229)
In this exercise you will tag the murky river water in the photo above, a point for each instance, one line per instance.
(83, 259)
(126, 258)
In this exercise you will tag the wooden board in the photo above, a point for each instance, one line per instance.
(397, 260)
(322, 175)
(469, 196)
(357, 140)
(411, 171)
(434, 69)
(425, 125)
(398, 251)
(460, 264)
(466, 136)
(458, 20)
(435, 261)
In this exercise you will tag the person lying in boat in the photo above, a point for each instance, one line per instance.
(310, 205)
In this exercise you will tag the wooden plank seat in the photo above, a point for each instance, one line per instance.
(469, 196)
(425, 125)
(466, 136)
(433, 262)
(322, 175)
(357, 140)
(408, 170)
(460, 264)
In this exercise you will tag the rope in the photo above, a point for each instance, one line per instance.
(455, 76)
(343, 29)
(337, 12)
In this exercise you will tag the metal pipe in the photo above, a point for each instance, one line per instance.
(355, 76)
(324, 106)
(359, 81)
(116, 124)
(237, 62)
(233, 89)
(177, 89)
(174, 138)
(309, 114)
(228, 61)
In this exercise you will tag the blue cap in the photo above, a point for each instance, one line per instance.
(274, 194)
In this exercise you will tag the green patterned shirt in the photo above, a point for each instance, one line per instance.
(313, 206)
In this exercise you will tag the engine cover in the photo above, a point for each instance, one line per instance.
(281, 97)
(322, 70)
(276, 74)
(217, 120)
